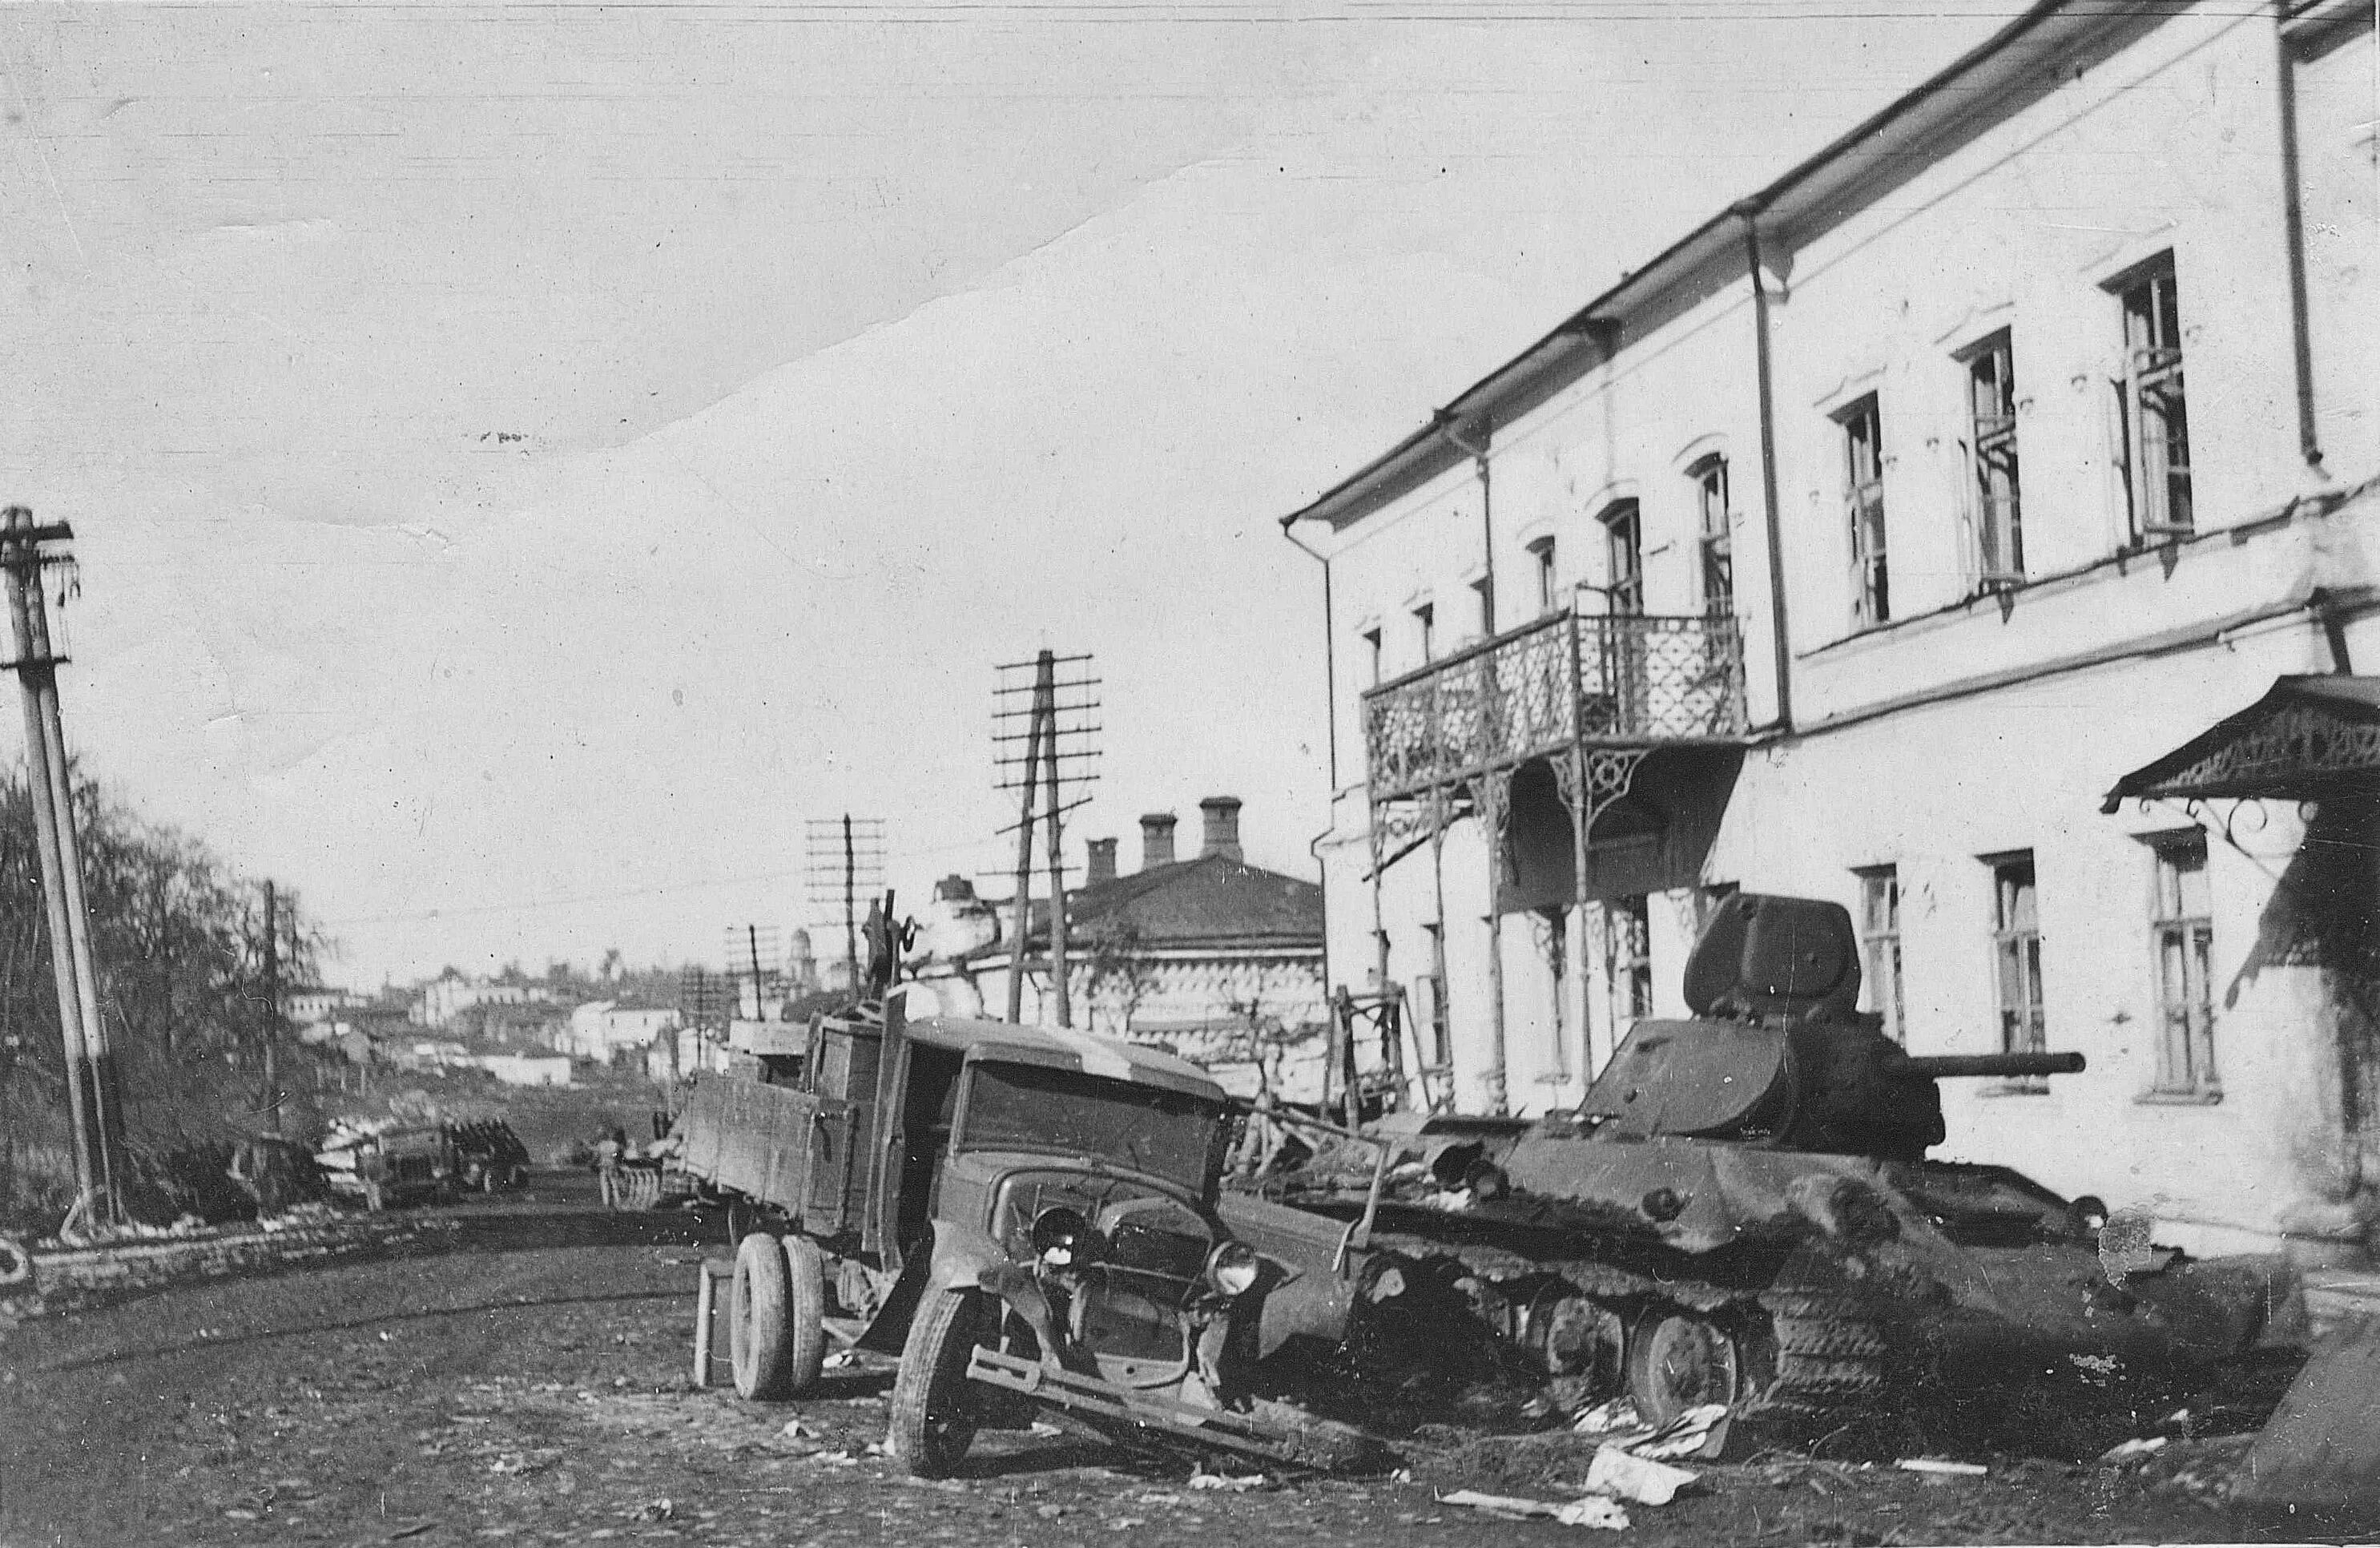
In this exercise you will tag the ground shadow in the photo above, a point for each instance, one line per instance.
(518, 1303)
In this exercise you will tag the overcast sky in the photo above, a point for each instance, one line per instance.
(528, 461)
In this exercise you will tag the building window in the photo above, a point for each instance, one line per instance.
(1628, 960)
(1426, 626)
(1624, 550)
(1864, 509)
(1880, 946)
(1541, 559)
(1483, 595)
(1373, 653)
(1991, 461)
(2016, 958)
(2185, 944)
(2156, 416)
(1717, 536)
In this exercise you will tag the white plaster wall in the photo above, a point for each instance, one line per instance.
(2025, 769)
(2171, 145)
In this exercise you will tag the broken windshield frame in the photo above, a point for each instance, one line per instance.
(1064, 1111)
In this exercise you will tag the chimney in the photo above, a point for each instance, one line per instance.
(1155, 840)
(1222, 826)
(1101, 865)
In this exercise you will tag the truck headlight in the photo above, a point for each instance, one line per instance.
(1231, 1267)
(1062, 1238)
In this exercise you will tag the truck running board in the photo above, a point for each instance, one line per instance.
(1088, 1394)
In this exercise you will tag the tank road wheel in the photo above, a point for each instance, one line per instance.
(804, 1314)
(758, 1339)
(935, 1411)
(1680, 1360)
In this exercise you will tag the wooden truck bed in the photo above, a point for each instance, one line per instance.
(795, 1152)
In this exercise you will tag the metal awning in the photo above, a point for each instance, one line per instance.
(2308, 738)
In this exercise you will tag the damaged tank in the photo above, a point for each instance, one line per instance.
(1741, 1211)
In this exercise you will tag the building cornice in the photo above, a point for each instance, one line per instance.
(1987, 85)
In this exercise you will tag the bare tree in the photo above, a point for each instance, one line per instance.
(1119, 974)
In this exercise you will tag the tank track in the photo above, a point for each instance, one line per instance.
(1828, 1346)
(1831, 1352)
(1828, 1350)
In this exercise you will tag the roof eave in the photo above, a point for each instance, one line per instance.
(1801, 192)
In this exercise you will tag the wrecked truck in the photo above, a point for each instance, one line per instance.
(1741, 1211)
(1025, 1217)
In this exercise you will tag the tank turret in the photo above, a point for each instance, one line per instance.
(1779, 1055)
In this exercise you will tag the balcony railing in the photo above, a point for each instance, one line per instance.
(1562, 681)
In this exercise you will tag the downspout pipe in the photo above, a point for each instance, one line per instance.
(1780, 649)
(1452, 429)
(2294, 234)
(1330, 719)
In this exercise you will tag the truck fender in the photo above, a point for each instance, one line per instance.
(951, 1257)
(962, 1255)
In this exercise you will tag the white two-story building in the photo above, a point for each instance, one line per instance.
(1976, 525)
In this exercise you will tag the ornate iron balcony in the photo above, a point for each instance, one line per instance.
(1556, 683)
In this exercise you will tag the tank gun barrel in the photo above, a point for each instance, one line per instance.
(2005, 1065)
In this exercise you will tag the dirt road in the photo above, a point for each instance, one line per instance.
(533, 1386)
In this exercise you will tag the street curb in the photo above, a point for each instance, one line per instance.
(73, 1279)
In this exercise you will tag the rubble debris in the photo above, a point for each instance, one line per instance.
(1628, 1477)
(1228, 1482)
(1941, 1465)
(1617, 1417)
(1593, 1511)
(2135, 1451)
(1699, 1432)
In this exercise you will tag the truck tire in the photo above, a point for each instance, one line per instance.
(804, 1314)
(934, 1408)
(16, 1263)
(757, 1332)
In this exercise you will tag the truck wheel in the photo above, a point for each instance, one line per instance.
(1679, 1361)
(804, 1314)
(756, 1341)
(934, 1408)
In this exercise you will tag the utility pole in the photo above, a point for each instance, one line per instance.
(850, 905)
(844, 858)
(1054, 773)
(1046, 701)
(93, 1100)
(272, 1006)
(752, 942)
(1022, 922)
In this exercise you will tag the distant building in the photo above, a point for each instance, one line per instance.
(444, 999)
(527, 1070)
(312, 1005)
(1217, 958)
(600, 1029)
